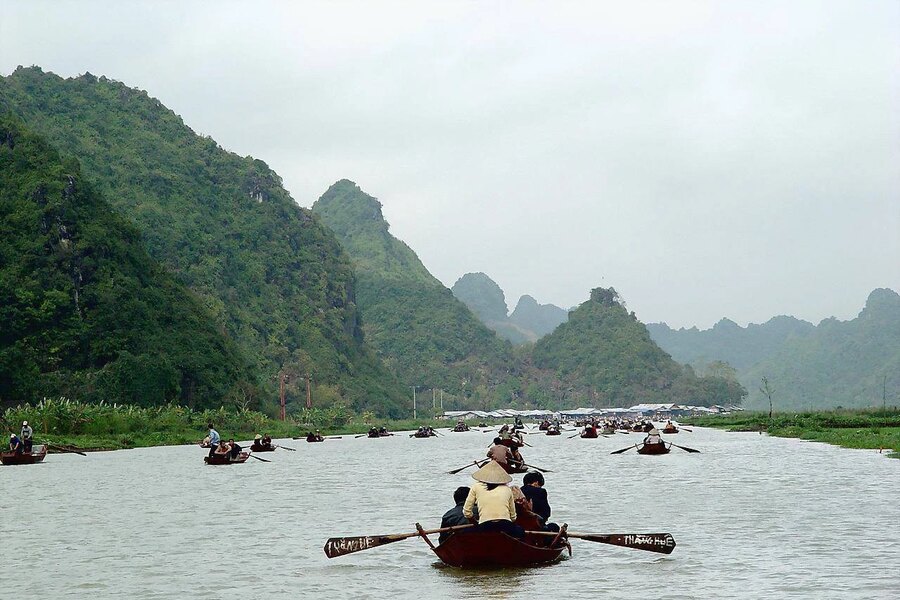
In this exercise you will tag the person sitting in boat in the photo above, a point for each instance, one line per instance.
(533, 489)
(494, 499)
(653, 437)
(454, 516)
(519, 424)
(15, 444)
(526, 518)
(544, 425)
(373, 432)
(431, 432)
(234, 450)
(500, 452)
(214, 439)
(221, 449)
(267, 441)
(383, 431)
(27, 436)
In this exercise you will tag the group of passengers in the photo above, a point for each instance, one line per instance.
(262, 441)
(426, 431)
(219, 447)
(492, 505)
(22, 443)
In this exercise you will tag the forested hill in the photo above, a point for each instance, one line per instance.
(606, 355)
(528, 322)
(840, 363)
(741, 347)
(428, 336)
(85, 312)
(270, 274)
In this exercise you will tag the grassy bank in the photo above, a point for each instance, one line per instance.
(867, 429)
(114, 427)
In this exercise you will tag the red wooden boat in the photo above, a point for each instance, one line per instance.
(653, 449)
(672, 430)
(460, 428)
(25, 458)
(314, 438)
(220, 459)
(261, 448)
(512, 470)
(553, 431)
(589, 433)
(493, 549)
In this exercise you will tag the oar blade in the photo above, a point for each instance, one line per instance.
(623, 450)
(340, 546)
(663, 543)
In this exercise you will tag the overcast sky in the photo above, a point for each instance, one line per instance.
(706, 159)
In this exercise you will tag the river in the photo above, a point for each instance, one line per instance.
(753, 517)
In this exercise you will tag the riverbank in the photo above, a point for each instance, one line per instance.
(101, 427)
(861, 429)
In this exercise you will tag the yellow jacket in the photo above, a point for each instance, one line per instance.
(493, 505)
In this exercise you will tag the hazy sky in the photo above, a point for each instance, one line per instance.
(706, 159)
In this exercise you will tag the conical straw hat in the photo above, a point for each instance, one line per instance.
(654, 431)
(492, 473)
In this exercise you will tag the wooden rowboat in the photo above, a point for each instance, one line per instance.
(653, 449)
(493, 549)
(553, 432)
(512, 470)
(256, 448)
(220, 459)
(25, 458)
(590, 433)
(672, 430)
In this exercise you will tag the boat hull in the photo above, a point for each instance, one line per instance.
(492, 549)
(256, 448)
(654, 449)
(225, 460)
(26, 458)
(670, 431)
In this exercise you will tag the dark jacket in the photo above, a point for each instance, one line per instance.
(538, 497)
(454, 517)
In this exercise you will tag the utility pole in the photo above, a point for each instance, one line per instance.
(433, 402)
(283, 379)
(414, 402)
(442, 400)
(308, 392)
(884, 393)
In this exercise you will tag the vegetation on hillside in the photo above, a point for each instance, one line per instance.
(420, 329)
(85, 311)
(269, 273)
(604, 355)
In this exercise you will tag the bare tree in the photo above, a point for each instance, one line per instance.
(768, 391)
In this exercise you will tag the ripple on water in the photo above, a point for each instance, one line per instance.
(754, 517)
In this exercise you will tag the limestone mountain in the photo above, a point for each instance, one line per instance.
(420, 329)
(483, 297)
(528, 322)
(840, 363)
(540, 319)
(741, 347)
(606, 356)
(85, 312)
(275, 279)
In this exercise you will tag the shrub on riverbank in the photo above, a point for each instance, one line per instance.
(870, 428)
(114, 426)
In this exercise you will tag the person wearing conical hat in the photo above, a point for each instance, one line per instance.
(496, 506)
(653, 437)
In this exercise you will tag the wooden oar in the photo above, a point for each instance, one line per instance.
(624, 449)
(573, 436)
(360, 435)
(475, 463)
(340, 546)
(685, 448)
(663, 543)
(686, 429)
(258, 458)
(49, 445)
(536, 468)
(285, 447)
